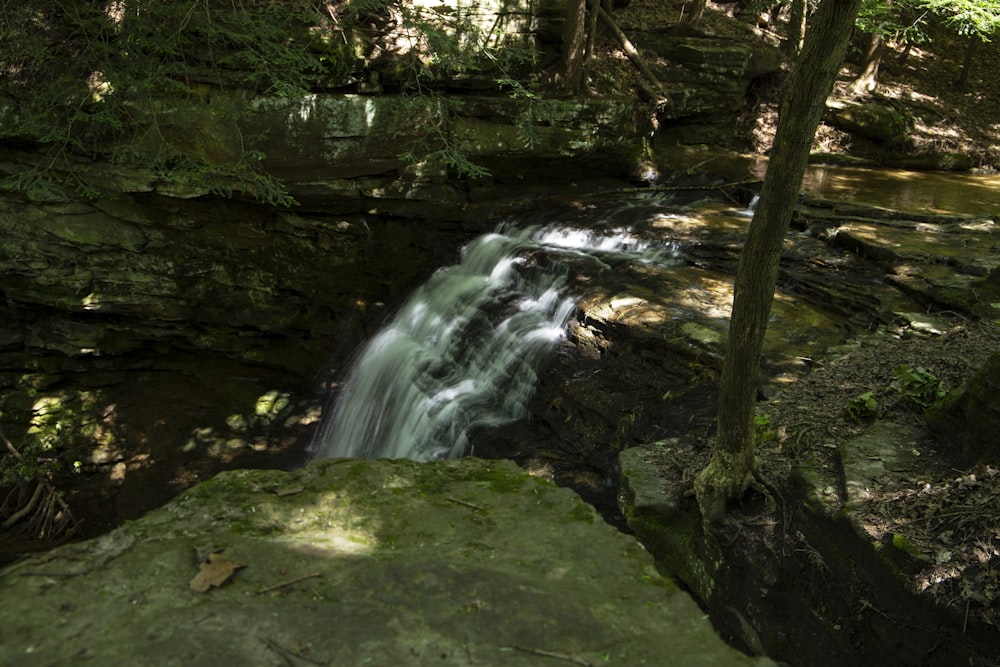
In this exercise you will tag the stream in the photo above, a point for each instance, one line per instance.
(566, 299)
(580, 326)
(464, 353)
(464, 350)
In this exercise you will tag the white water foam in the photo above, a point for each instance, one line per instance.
(464, 350)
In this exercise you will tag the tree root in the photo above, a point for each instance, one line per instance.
(726, 477)
(47, 514)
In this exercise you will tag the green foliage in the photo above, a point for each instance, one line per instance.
(863, 407)
(901, 21)
(968, 17)
(762, 429)
(914, 388)
(917, 387)
(444, 44)
(81, 80)
(88, 81)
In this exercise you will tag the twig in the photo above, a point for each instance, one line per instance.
(779, 500)
(283, 584)
(288, 654)
(284, 653)
(555, 654)
(466, 504)
(680, 188)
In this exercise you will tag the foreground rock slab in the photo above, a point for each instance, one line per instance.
(351, 562)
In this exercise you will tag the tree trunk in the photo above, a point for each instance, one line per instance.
(970, 57)
(905, 53)
(595, 10)
(732, 465)
(696, 11)
(796, 31)
(574, 44)
(867, 80)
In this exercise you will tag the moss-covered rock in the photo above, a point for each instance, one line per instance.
(355, 562)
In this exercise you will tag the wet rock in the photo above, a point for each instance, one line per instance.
(358, 562)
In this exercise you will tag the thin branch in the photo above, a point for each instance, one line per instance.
(284, 584)
(466, 504)
(658, 93)
(288, 654)
(568, 657)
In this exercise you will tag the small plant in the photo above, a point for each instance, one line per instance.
(863, 407)
(762, 429)
(917, 387)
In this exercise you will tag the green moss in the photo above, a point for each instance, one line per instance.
(581, 512)
(507, 481)
(900, 542)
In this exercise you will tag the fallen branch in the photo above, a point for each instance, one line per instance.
(657, 93)
(285, 584)
(558, 655)
(287, 654)
(466, 504)
(681, 188)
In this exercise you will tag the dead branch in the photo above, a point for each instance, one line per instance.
(657, 93)
(464, 503)
(285, 584)
(287, 654)
(568, 657)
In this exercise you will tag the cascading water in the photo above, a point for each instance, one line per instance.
(464, 351)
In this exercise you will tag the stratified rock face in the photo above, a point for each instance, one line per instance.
(132, 272)
(352, 562)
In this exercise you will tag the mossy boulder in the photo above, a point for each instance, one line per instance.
(870, 120)
(355, 562)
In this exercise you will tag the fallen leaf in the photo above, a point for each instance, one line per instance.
(214, 572)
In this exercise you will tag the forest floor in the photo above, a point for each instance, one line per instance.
(938, 517)
(946, 118)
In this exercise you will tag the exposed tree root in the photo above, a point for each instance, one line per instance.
(46, 513)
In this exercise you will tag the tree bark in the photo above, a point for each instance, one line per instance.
(574, 44)
(697, 10)
(733, 463)
(594, 8)
(796, 30)
(867, 80)
(970, 57)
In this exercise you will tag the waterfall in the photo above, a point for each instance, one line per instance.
(751, 207)
(464, 349)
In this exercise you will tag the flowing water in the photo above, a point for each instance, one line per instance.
(464, 351)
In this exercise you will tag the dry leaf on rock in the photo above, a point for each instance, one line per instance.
(214, 572)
